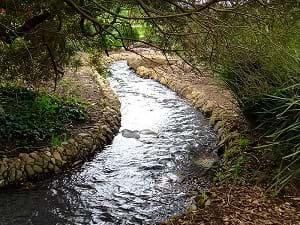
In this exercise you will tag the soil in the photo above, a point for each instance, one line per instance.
(241, 205)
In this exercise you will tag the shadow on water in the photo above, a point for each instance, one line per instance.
(135, 180)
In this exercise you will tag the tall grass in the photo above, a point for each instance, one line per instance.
(261, 66)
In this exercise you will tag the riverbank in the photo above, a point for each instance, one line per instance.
(82, 140)
(244, 202)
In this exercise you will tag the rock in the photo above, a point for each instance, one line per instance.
(83, 135)
(207, 160)
(19, 174)
(29, 170)
(88, 142)
(152, 167)
(71, 141)
(148, 132)
(39, 162)
(48, 153)
(45, 163)
(46, 157)
(34, 155)
(17, 164)
(94, 148)
(130, 134)
(12, 175)
(52, 160)
(69, 152)
(26, 158)
(37, 169)
(207, 203)
(56, 169)
(2, 183)
(57, 156)
(51, 167)
(3, 168)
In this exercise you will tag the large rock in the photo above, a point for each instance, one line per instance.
(130, 133)
(57, 156)
(29, 170)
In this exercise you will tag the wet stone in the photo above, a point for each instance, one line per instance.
(130, 134)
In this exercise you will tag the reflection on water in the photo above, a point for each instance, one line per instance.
(135, 180)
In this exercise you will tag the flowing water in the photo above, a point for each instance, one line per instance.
(138, 179)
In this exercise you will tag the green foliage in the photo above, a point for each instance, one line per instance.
(39, 38)
(236, 168)
(278, 116)
(244, 143)
(261, 67)
(95, 58)
(31, 118)
(57, 140)
(201, 199)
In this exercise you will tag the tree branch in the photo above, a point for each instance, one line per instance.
(8, 36)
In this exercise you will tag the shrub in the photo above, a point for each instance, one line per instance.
(31, 118)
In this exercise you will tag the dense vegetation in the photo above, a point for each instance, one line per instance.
(254, 45)
(30, 118)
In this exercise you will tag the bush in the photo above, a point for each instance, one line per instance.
(30, 118)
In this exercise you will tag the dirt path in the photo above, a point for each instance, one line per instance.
(241, 205)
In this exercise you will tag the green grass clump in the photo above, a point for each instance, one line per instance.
(261, 66)
(278, 116)
(29, 118)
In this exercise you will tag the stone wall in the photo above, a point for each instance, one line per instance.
(38, 164)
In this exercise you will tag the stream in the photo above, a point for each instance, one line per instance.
(138, 179)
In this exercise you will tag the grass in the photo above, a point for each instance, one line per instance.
(270, 98)
(262, 70)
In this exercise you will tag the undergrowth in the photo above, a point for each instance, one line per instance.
(261, 66)
(29, 118)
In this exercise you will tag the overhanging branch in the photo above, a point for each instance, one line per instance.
(9, 35)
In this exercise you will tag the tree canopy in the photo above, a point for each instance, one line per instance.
(37, 38)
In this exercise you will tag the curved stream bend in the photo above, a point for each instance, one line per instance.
(136, 179)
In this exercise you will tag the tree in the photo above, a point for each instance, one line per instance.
(37, 38)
